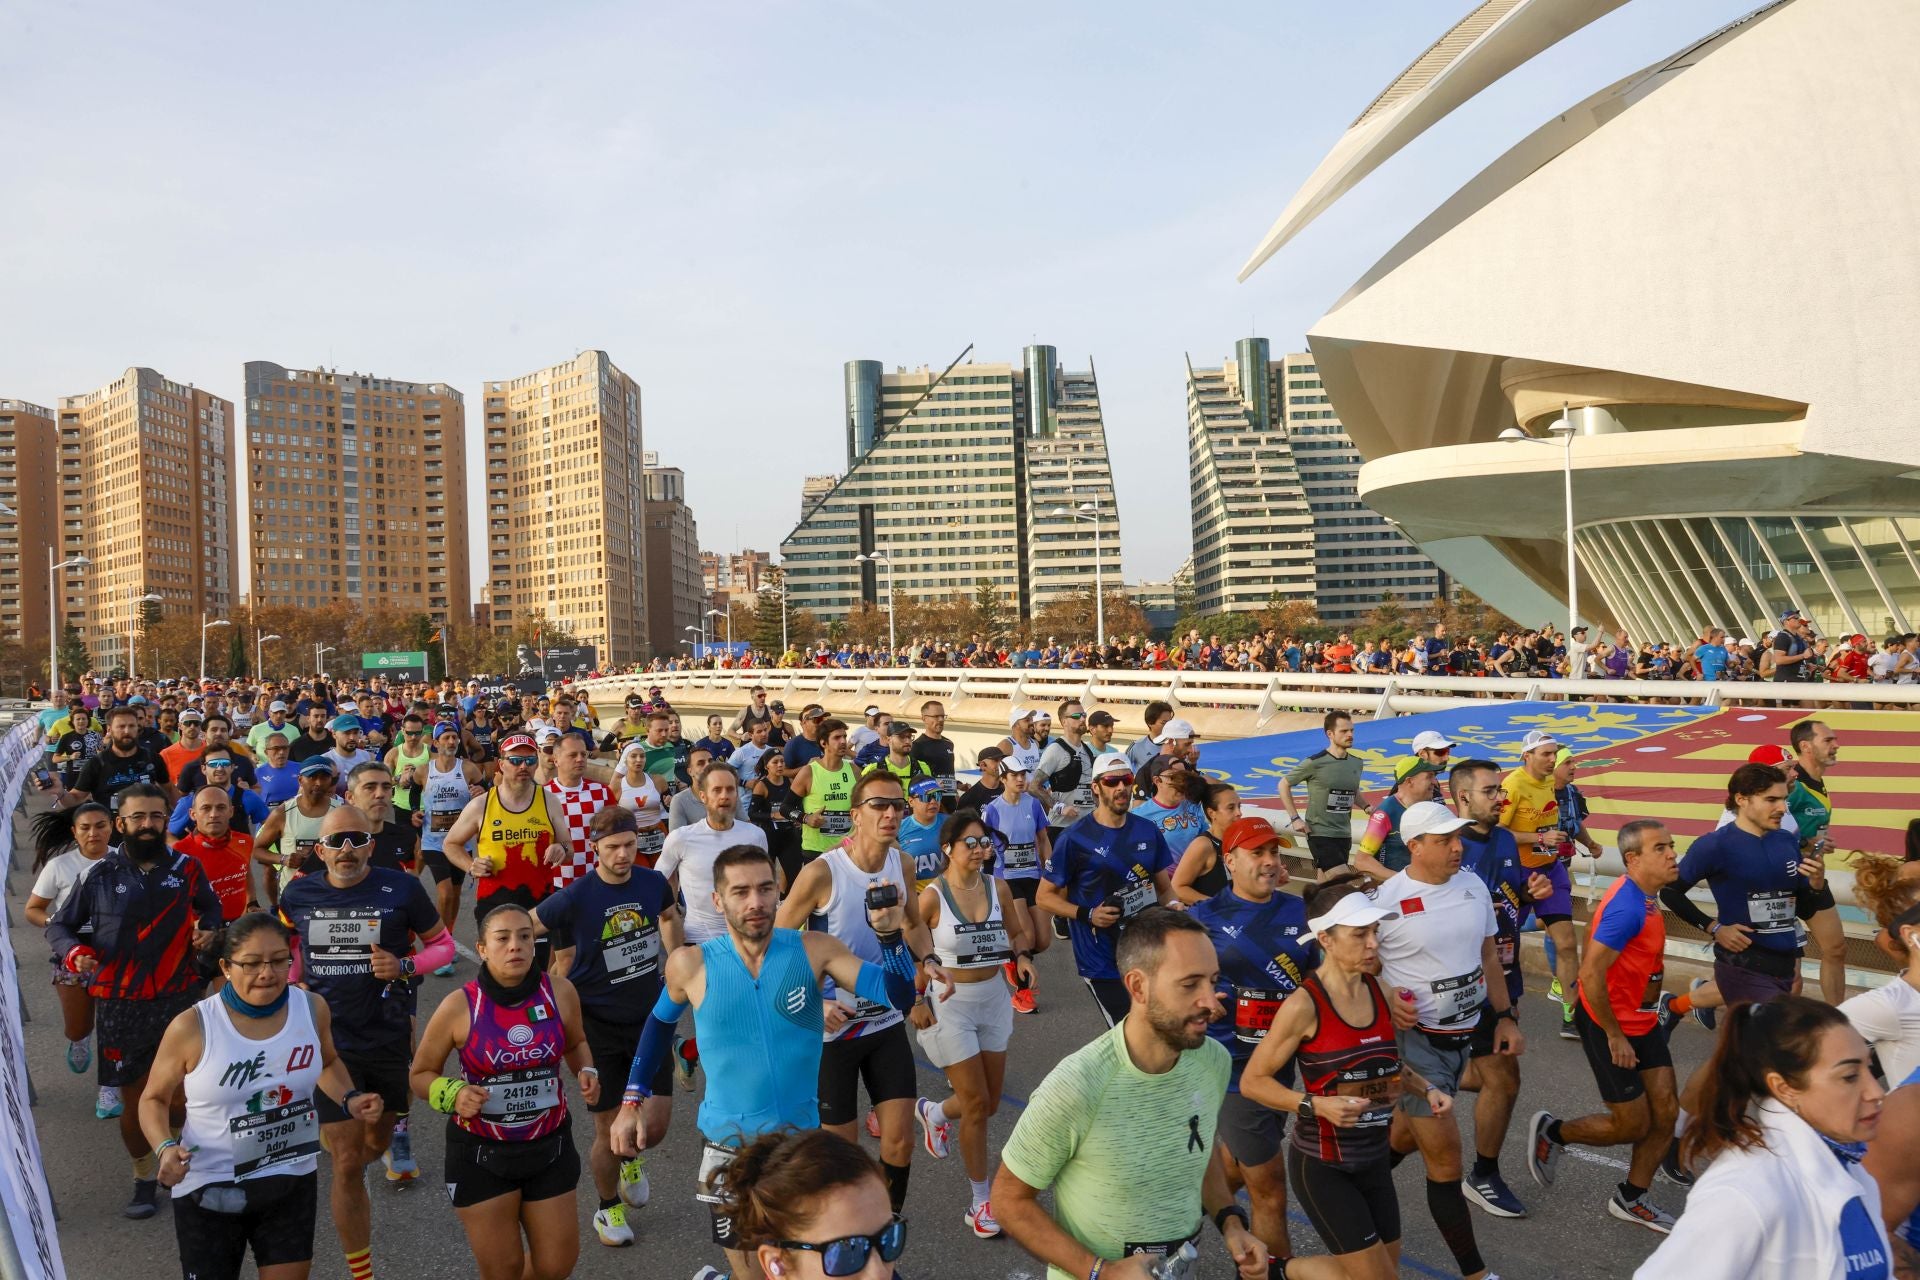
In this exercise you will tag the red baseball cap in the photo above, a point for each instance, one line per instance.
(518, 740)
(1248, 833)
(1769, 753)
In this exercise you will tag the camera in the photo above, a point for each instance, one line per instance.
(1115, 901)
(882, 894)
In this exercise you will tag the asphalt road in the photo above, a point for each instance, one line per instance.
(415, 1233)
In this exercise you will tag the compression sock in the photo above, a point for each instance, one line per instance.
(1680, 1122)
(1630, 1193)
(1553, 1134)
(360, 1264)
(979, 1192)
(1449, 1210)
(1486, 1166)
(896, 1175)
(1681, 1006)
(146, 1168)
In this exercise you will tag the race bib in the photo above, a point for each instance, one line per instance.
(441, 820)
(651, 842)
(835, 824)
(948, 786)
(521, 1097)
(1771, 911)
(632, 955)
(1380, 1091)
(1021, 857)
(1253, 1011)
(979, 945)
(1135, 898)
(1457, 1001)
(340, 941)
(1339, 800)
(714, 1158)
(270, 1139)
(1650, 998)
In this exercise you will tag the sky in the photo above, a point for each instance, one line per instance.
(731, 199)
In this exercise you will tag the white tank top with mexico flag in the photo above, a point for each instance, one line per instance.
(250, 1102)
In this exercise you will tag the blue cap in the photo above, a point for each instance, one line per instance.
(317, 766)
(1789, 613)
(341, 723)
(443, 727)
(923, 788)
(136, 701)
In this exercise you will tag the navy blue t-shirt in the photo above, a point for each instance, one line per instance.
(336, 931)
(614, 930)
(1495, 858)
(1265, 950)
(1091, 861)
(1754, 880)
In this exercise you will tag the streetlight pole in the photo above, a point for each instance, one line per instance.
(1090, 513)
(1564, 429)
(320, 652)
(134, 600)
(53, 616)
(259, 657)
(205, 627)
(882, 559)
(728, 615)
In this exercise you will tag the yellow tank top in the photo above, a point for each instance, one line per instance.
(517, 844)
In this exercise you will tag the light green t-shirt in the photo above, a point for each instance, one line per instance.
(1332, 786)
(257, 736)
(1124, 1151)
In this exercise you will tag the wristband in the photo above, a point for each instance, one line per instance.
(1231, 1211)
(1022, 955)
(1093, 1272)
(443, 1093)
(888, 939)
(78, 951)
(589, 1071)
(1508, 1012)
(170, 1142)
(1079, 911)
(346, 1099)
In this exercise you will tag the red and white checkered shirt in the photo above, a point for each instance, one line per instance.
(580, 804)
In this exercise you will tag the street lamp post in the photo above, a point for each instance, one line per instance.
(53, 616)
(728, 615)
(1564, 429)
(134, 600)
(205, 627)
(1090, 513)
(320, 652)
(259, 658)
(881, 558)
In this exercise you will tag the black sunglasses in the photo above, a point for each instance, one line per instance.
(881, 806)
(848, 1255)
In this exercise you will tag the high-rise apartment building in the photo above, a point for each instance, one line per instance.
(30, 487)
(566, 499)
(953, 479)
(676, 599)
(813, 489)
(727, 578)
(148, 496)
(1273, 483)
(357, 491)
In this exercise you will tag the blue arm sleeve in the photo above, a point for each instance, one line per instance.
(891, 981)
(656, 1038)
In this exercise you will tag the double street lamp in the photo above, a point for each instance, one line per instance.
(259, 660)
(205, 627)
(320, 652)
(1090, 514)
(134, 600)
(880, 558)
(1565, 430)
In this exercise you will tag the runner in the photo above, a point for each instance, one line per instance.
(244, 1169)
(512, 1171)
(129, 929)
(1533, 815)
(396, 841)
(640, 792)
(773, 808)
(276, 725)
(120, 764)
(580, 798)
(983, 793)
(1264, 948)
(1110, 866)
(225, 855)
(976, 930)
(449, 784)
(807, 1206)
(825, 790)
(688, 858)
(866, 1041)
(1888, 1017)
(898, 759)
(407, 760)
(287, 838)
(1019, 823)
(349, 750)
(920, 832)
(517, 832)
(619, 921)
(1441, 948)
(1414, 780)
(315, 739)
(745, 758)
(69, 844)
(1171, 790)
(1202, 871)
(1332, 779)
(1626, 1045)
(245, 809)
(1122, 1130)
(1020, 746)
(1339, 1027)
(1815, 750)
(1062, 777)
(353, 926)
(935, 750)
(755, 995)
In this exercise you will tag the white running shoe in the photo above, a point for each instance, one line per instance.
(635, 1190)
(981, 1219)
(108, 1104)
(938, 1130)
(611, 1226)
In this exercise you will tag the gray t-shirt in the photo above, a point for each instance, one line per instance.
(1333, 784)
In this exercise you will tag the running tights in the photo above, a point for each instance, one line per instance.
(1449, 1209)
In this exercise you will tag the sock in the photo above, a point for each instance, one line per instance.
(146, 1168)
(690, 1049)
(1680, 1122)
(608, 1204)
(1553, 1134)
(1630, 1193)
(360, 1264)
(950, 1109)
(979, 1192)
(1449, 1210)
(1681, 1005)
(896, 1175)
(1485, 1166)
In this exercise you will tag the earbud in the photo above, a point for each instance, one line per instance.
(774, 1268)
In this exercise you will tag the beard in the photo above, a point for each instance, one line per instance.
(144, 846)
(1174, 1029)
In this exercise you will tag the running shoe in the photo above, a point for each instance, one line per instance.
(1641, 1210)
(709, 1273)
(444, 971)
(1708, 1018)
(1664, 1016)
(1670, 1168)
(1023, 1001)
(981, 1219)
(936, 1128)
(1554, 993)
(686, 1056)
(1567, 1030)
(635, 1190)
(1543, 1153)
(79, 1055)
(398, 1157)
(1491, 1193)
(873, 1123)
(145, 1202)
(108, 1104)
(611, 1226)
(1060, 928)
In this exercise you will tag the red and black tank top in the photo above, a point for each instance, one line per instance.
(1342, 1060)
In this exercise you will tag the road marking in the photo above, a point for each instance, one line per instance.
(1594, 1157)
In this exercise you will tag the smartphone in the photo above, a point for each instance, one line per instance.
(42, 778)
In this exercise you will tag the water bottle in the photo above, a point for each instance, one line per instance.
(1177, 1265)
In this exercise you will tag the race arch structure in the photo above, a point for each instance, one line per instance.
(1711, 270)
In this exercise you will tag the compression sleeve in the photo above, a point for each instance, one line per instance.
(1674, 898)
(433, 954)
(656, 1038)
(890, 982)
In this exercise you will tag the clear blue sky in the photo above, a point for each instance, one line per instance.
(731, 199)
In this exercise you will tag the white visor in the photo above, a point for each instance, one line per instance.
(1355, 909)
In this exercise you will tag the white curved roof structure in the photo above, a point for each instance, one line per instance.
(1492, 40)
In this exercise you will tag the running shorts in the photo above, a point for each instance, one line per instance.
(1351, 1209)
(478, 1170)
(1111, 995)
(1480, 1043)
(440, 868)
(129, 1031)
(1439, 1060)
(383, 1070)
(276, 1226)
(1619, 1084)
(1814, 901)
(1558, 905)
(1252, 1132)
(612, 1045)
(976, 1019)
(1330, 852)
(1024, 890)
(883, 1061)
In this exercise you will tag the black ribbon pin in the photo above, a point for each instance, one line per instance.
(1194, 1141)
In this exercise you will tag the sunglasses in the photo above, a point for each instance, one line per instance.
(1116, 780)
(848, 1255)
(975, 842)
(881, 806)
(525, 762)
(346, 841)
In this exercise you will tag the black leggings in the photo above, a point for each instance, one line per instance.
(1352, 1209)
(1111, 994)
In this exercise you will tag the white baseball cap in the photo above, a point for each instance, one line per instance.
(1355, 909)
(1428, 740)
(1016, 714)
(1537, 739)
(1175, 730)
(1429, 818)
(1111, 762)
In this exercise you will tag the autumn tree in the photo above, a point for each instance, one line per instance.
(1072, 618)
(1289, 617)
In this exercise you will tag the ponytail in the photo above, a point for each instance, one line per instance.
(1778, 1037)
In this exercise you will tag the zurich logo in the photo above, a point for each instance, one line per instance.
(795, 1000)
(519, 1034)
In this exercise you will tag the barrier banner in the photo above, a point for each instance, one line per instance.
(23, 1177)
